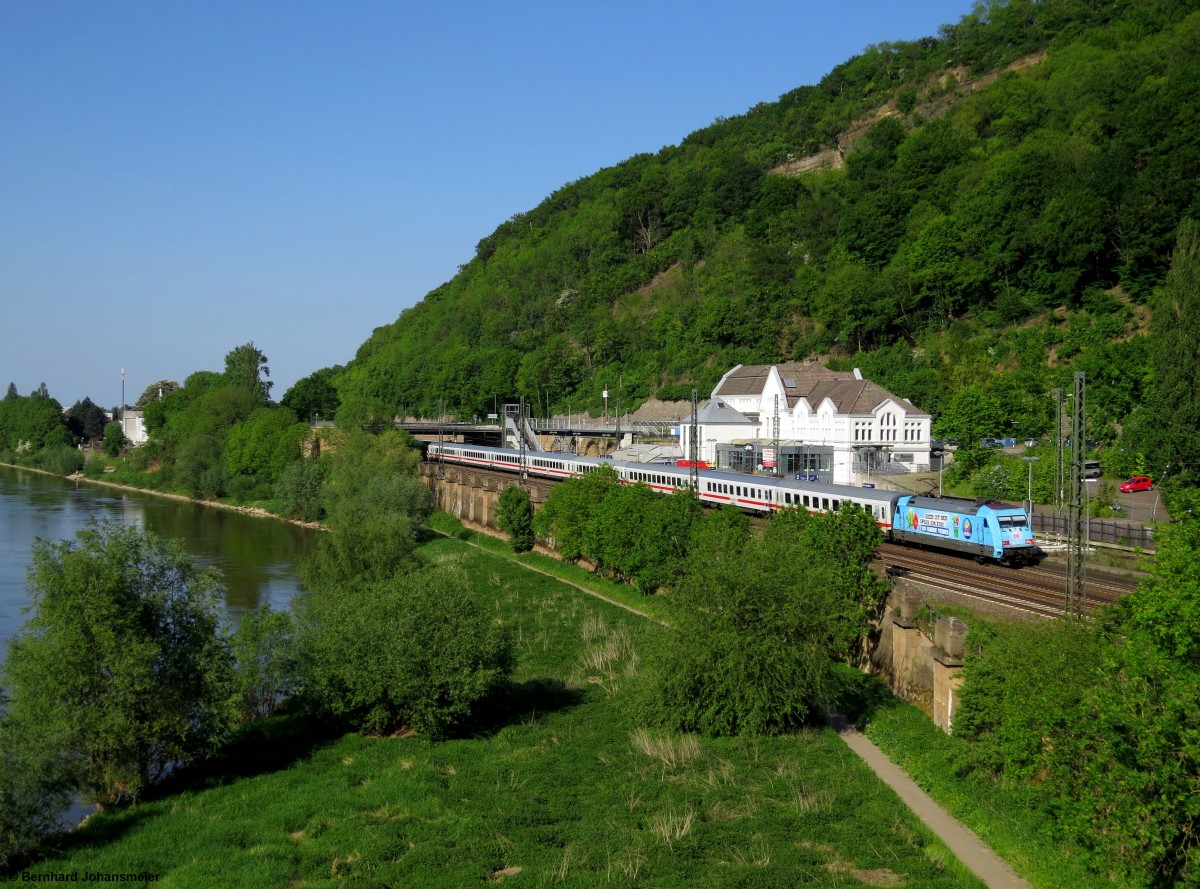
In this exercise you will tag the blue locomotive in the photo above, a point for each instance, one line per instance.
(987, 529)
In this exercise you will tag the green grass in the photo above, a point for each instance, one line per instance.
(556, 786)
(1006, 818)
(657, 607)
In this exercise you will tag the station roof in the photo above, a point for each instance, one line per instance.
(846, 390)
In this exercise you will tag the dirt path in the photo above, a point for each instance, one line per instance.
(964, 843)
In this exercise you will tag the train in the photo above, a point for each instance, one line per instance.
(989, 530)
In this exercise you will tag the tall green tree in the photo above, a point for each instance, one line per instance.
(121, 667)
(314, 396)
(266, 656)
(114, 438)
(375, 503)
(86, 420)
(1172, 407)
(246, 368)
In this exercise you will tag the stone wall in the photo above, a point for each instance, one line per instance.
(922, 667)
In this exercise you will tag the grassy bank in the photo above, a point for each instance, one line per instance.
(1004, 817)
(557, 786)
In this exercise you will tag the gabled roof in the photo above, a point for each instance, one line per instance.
(716, 412)
(846, 390)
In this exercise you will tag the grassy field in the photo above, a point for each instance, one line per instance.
(555, 787)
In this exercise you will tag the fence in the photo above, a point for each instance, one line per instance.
(1102, 532)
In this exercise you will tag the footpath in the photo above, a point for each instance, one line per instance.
(964, 843)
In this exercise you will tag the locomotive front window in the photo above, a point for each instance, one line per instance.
(1013, 521)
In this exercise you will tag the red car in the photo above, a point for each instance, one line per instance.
(1136, 483)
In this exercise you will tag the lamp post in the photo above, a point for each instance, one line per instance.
(1030, 461)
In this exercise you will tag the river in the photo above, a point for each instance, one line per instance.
(257, 557)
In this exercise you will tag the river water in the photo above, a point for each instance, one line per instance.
(257, 557)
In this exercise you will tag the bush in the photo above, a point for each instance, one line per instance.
(62, 460)
(121, 667)
(763, 622)
(417, 652)
(114, 439)
(267, 669)
(515, 517)
(299, 489)
(35, 789)
(94, 467)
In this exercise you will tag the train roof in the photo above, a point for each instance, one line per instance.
(959, 504)
(736, 478)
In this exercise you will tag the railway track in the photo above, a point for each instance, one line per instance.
(1035, 590)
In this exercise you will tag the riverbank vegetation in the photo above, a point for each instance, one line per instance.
(552, 781)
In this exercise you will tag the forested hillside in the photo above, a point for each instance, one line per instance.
(999, 233)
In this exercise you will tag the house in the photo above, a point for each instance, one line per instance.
(134, 427)
(804, 419)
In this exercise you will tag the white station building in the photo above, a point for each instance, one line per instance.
(802, 419)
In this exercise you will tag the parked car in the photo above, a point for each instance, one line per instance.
(1136, 483)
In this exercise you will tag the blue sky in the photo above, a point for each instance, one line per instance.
(180, 178)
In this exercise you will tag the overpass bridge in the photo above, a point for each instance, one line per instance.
(573, 435)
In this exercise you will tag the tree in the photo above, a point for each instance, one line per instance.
(416, 651)
(366, 413)
(200, 467)
(763, 620)
(970, 416)
(299, 489)
(375, 504)
(86, 420)
(264, 444)
(313, 396)
(114, 438)
(246, 368)
(563, 518)
(155, 391)
(1172, 409)
(121, 666)
(267, 665)
(36, 782)
(514, 516)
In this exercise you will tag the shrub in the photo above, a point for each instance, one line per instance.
(417, 651)
(62, 460)
(37, 780)
(121, 667)
(264, 651)
(515, 517)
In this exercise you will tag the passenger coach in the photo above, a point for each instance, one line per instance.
(985, 529)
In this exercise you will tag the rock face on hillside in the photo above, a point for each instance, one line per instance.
(936, 98)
